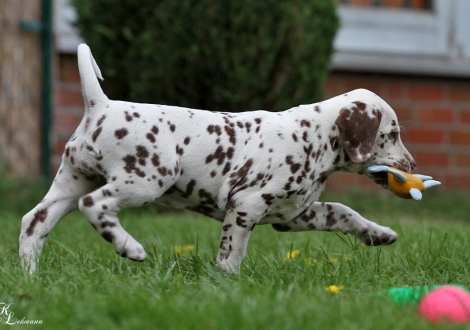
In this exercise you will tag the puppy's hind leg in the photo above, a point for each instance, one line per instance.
(62, 198)
(101, 208)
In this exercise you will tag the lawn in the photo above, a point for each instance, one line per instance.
(82, 284)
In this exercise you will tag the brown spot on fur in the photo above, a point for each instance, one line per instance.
(120, 133)
(240, 222)
(155, 160)
(39, 216)
(150, 137)
(108, 236)
(268, 198)
(142, 152)
(96, 133)
(226, 169)
(248, 126)
(105, 224)
(100, 121)
(241, 173)
(179, 150)
(231, 133)
(88, 201)
(190, 187)
(128, 116)
(294, 167)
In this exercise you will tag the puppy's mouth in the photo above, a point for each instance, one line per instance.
(379, 178)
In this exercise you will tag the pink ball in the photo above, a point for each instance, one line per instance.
(446, 304)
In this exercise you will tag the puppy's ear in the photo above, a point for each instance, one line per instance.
(358, 124)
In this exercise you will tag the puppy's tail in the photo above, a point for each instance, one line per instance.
(89, 71)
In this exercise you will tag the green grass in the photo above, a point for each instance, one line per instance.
(82, 284)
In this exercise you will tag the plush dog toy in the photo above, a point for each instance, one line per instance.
(403, 184)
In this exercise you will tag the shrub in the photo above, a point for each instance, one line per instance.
(209, 54)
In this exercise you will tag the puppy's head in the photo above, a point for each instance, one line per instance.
(369, 134)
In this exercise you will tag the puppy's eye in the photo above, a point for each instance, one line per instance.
(393, 136)
(382, 136)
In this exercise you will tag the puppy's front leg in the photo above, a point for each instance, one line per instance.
(331, 216)
(236, 231)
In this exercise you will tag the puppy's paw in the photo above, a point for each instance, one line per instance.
(224, 265)
(133, 251)
(378, 236)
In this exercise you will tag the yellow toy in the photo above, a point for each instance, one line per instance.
(403, 184)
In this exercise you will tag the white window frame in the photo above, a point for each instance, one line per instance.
(405, 41)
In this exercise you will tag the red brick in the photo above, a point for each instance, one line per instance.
(460, 93)
(465, 116)
(66, 122)
(395, 91)
(458, 181)
(439, 115)
(332, 87)
(424, 92)
(460, 137)
(370, 84)
(68, 98)
(431, 159)
(59, 147)
(68, 69)
(403, 113)
(421, 135)
(463, 160)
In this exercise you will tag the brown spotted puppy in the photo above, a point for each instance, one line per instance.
(244, 169)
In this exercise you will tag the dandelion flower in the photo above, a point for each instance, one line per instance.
(291, 254)
(334, 289)
(183, 250)
(333, 261)
(310, 260)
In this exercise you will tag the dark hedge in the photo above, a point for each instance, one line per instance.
(210, 54)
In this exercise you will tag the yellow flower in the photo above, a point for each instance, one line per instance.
(183, 250)
(334, 289)
(310, 261)
(291, 254)
(333, 261)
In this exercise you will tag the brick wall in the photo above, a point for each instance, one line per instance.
(435, 113)
(68, 105)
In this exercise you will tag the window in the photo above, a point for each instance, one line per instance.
(404, 36)
(408, 4)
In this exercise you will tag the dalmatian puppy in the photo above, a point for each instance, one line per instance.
(243, 169)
